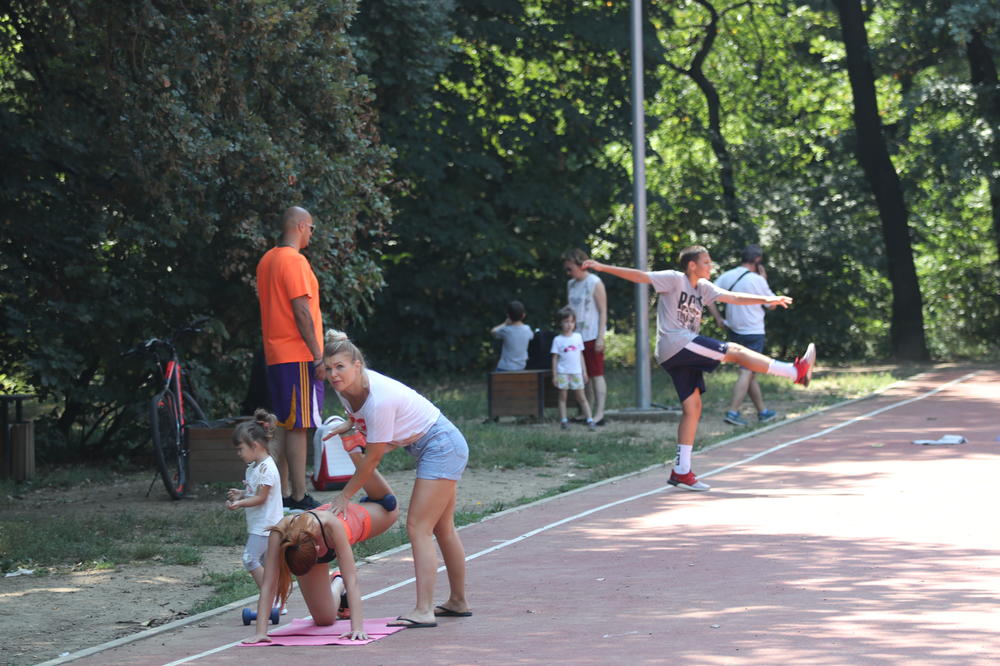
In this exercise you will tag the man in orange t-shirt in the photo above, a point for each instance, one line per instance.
(293, 333)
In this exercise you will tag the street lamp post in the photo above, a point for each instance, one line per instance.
(642, 378)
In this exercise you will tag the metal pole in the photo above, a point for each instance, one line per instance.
(642, 375)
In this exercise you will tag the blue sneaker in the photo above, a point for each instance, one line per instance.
(767, 415)
(734, 418)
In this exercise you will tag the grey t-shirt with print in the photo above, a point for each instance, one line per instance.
(678, 310)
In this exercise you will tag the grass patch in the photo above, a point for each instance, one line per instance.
(183, 555)
(217, 528)
(65, 539)
(72, 539)
(227, 588)
(58, 478)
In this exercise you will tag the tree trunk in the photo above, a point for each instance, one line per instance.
(906, 332)
(983, 74)
(727, 177)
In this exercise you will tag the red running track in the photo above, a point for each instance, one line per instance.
(828, 540)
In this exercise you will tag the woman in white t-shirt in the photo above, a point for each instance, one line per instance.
(391, 415)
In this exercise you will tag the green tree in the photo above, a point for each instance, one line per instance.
(906, 330)
(976, 25)
(699, 37)
(149, 149)
(501, 114)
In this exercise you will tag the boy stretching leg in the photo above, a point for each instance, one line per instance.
(685, 355)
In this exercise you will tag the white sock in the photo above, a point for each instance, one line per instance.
(682, 464)
(782, 369)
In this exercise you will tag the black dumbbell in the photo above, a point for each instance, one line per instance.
(251, 615)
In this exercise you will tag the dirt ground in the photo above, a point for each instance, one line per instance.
(45, 616)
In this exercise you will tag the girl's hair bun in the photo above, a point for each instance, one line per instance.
(333, 335)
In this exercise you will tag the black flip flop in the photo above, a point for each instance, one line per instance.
(411, 624)
(441, 611)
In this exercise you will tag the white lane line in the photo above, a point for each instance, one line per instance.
(509, 542)
(825, 431)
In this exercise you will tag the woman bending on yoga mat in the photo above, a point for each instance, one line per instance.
(390, 415)
(303, 544)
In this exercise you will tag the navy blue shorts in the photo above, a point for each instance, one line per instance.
(687, 366)
(754, 341)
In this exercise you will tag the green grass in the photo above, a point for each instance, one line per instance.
(63, 539)
(228, 587)
(58, 478)
(217, 528)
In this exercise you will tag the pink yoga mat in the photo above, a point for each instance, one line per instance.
(306, 632)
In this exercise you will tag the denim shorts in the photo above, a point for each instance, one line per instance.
(441, 453)
(752, 341)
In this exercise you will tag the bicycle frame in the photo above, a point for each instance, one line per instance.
(172, 373)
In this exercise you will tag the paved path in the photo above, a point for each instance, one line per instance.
(829, 540)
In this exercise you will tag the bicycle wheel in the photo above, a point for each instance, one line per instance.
(169, 447)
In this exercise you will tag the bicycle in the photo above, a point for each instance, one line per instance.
(169, 415)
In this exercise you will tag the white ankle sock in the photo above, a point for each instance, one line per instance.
(782, 369)
(682, 465)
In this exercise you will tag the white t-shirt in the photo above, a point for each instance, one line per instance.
(262, 516)
(570, 351)
(580, 294)
(393, 412)
(678, 310)
(744, 319)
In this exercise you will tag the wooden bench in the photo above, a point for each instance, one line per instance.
(520, 393)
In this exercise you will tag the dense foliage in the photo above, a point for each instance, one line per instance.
(752, 135)
(149, 148)
(501, 114)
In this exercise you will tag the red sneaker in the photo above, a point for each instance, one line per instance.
(804, 365)
(687, 481)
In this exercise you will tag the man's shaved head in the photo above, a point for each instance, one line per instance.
(293, 216)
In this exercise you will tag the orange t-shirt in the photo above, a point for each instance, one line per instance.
(283, 273)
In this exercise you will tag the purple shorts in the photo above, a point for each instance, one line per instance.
(687, 367)
(287, 383)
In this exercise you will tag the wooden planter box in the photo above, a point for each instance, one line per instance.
(521, 393)
(213, 457)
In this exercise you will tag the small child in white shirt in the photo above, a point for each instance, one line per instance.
(568, 370)
(261, 493)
